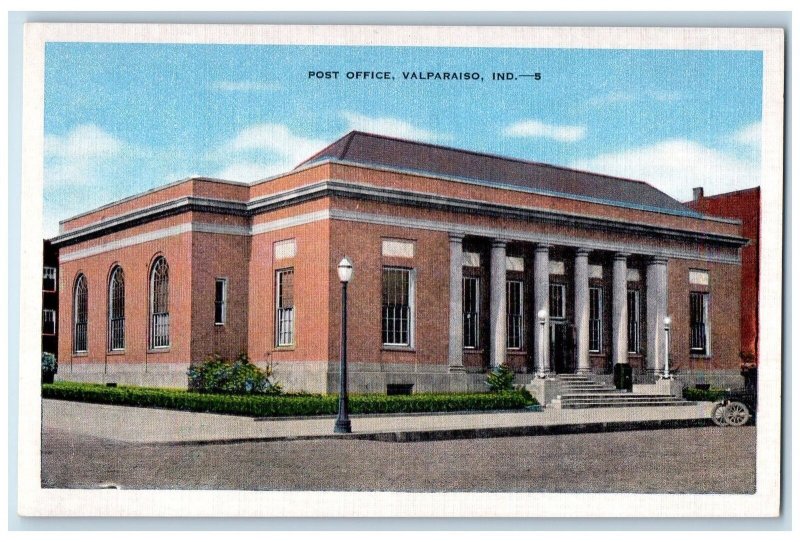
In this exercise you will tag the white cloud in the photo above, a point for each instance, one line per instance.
(262, 150)
(244, 86)
(535, 128)
(676, 166)
(73, 157)
(389, 126)
(749, 135)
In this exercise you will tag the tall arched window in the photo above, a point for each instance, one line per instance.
(80, 314)
(159, 304)
(116, 310)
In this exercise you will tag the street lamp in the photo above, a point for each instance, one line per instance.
(667, 324)
(542, 317)
(345, 270)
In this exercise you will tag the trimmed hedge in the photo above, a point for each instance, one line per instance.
(283, 405)
(711, 394)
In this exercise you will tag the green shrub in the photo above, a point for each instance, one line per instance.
(500, 379)
(49, 363)
(282, 405)
(711, 394)
(239, 377)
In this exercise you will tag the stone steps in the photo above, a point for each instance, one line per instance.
(630, 404)
(581, 391)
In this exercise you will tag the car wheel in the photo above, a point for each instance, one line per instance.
(737, 414)
(718, 415)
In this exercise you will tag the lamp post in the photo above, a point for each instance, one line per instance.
(667, 324)
(542, 317)
(345, 270)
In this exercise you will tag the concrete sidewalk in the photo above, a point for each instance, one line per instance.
(160, 426)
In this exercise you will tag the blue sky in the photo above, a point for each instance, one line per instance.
(124, 118)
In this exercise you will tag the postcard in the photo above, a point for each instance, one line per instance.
(397, 271)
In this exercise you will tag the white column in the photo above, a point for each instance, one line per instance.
(456, 346)
(619, 309)
(656, 312)
(497, 304)
(582, 309)
(541, 302)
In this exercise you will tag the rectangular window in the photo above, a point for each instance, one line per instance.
(49, 279)
(471, 302)
(397, 306)
(557, 301)
(514, 314)
(48, 322)
(633, 321)
(220, 301)
(698, 321)
(284, 307)
(595, 319)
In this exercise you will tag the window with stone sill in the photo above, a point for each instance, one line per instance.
(698, 323)
(514, 312)
(595, 320)
(471, 304)
(284, 307)
(397, 306)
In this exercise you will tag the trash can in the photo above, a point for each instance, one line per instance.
(623, 376)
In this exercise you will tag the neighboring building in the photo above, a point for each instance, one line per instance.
(50, 298)
(455, 253)
(744, 205)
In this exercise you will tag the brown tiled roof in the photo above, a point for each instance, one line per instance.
(381, 151)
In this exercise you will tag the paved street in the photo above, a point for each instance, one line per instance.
(691, 460)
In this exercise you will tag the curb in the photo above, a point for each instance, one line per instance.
(468, 433)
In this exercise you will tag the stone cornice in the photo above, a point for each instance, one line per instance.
(345, 189)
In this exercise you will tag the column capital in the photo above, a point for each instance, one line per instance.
(543, 247)
(581, 251)
(621, 256)
(657, 260)
(456, 236)
(499, 243)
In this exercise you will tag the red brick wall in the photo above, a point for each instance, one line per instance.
(311, 289)
(724, 289)
(362, 244)
(135, 261)
(746, 206)
(219, 256)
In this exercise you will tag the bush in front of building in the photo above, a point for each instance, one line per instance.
(238, 377)
(500, 379)
(698, 394)
(49, 367)
(282, 405)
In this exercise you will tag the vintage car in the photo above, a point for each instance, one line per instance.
(737, 408)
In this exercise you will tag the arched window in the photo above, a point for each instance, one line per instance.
(80, 314)
(159, 304)
(116, 310)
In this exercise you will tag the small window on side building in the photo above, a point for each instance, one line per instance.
(220, 301)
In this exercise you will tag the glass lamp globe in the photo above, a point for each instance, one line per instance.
(345, 269)
(542, 315)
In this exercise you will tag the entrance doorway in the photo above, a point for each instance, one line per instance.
(562, 347)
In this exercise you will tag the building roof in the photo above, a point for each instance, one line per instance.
(424, 158)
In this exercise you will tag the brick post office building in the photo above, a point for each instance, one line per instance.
(455, 254)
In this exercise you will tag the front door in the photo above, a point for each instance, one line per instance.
(562, 347)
